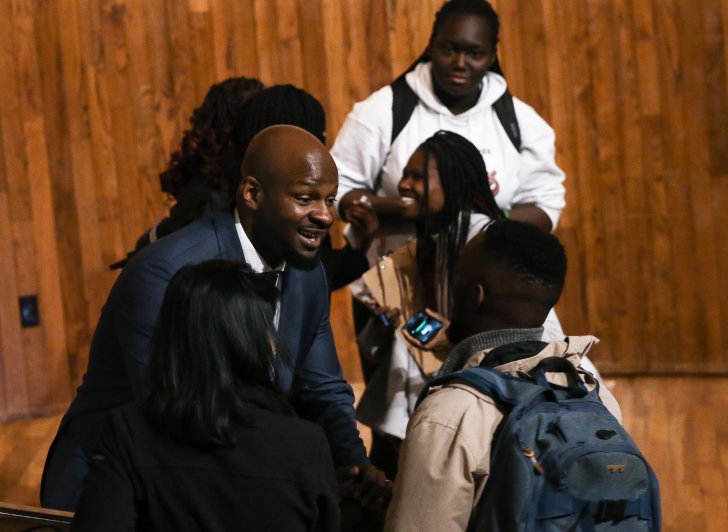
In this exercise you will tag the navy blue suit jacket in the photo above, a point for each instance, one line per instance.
(121, 344)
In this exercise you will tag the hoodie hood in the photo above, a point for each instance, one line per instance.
(420, 80)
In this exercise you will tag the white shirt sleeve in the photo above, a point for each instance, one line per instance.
(362, 144)
(541, 180)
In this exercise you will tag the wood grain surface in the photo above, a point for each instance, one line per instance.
(94, 94)
(672, 419)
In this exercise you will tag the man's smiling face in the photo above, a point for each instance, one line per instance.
(297, 209)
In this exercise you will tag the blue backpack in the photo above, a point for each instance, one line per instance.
(559, 460)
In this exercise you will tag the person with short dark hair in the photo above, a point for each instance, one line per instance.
(450, 202)
(507, 279)
(284, 209)
(214, 446)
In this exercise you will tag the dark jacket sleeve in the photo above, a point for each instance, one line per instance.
(137, 301)
(343, 265)
(319, 392)
(107, 501)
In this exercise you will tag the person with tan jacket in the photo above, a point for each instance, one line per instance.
(506, 281)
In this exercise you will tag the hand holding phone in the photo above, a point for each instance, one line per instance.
(422, 327)
(426, 330)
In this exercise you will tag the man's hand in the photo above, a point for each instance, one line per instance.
(439, 345)
(366, 484)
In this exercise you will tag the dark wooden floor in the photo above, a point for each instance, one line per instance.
(681, 424)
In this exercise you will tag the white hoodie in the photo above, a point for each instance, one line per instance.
(362, 148)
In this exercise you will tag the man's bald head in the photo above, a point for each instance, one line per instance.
(276, 149)
(286, 196)
(509, 276)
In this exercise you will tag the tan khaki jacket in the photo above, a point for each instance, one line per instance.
(445, 458)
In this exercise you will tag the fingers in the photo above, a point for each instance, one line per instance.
(373, 489)
(438, 344)
(364, 222)
(347, 473)
(388, 316)
(347, 479)
(376, 496)
(363, 216)
(411, 339)
(438, 316)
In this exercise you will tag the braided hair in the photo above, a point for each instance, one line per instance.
(464, 181)
(480, 8)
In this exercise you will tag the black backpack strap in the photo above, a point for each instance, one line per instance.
(404, 102)
(507, 115)
(505, 390)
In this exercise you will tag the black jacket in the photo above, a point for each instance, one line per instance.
(278, 476)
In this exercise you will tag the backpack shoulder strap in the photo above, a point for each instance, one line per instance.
(505, 390)
(507, 115)
(404, 102)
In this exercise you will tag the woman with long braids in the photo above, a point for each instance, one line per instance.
(450, 202)
(446, 195)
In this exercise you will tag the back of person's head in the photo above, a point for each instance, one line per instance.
(213, 336)
(464, 181)
(278, 105)
(509, 276)
(206, 146)
(480, 8)
(533, 261)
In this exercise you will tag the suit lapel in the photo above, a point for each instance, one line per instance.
(227, 237)
(289, 324)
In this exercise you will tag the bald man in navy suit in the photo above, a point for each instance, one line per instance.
(284, 208)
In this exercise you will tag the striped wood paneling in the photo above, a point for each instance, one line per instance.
(95, 93)
(672, 419)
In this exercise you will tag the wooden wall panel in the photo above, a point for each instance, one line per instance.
(94, 94)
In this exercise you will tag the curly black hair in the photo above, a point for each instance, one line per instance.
(204, 146)
(529, 254)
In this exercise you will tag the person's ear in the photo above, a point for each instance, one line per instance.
(474, 299)
(479, 295)
(250, 192)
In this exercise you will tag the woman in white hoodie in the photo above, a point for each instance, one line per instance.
(456, 82)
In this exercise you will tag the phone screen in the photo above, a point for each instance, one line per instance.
(422, 326)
